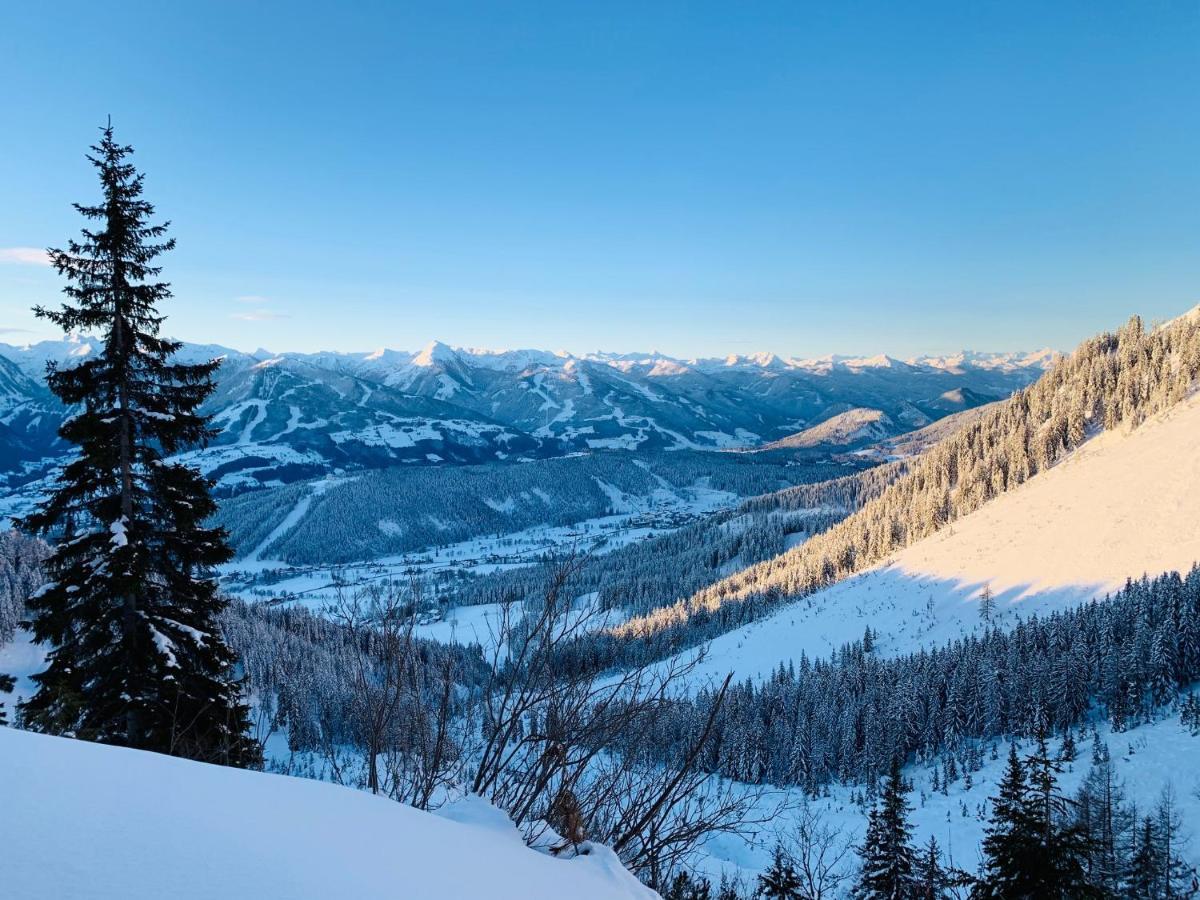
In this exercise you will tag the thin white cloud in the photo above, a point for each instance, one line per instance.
(16, 330)
(259, 315)
(253, 300)
(29, 256)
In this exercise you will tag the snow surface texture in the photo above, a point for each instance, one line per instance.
(88, 821)
(1122, 505)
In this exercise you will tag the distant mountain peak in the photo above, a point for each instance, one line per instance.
(435, 353)
(879, 361)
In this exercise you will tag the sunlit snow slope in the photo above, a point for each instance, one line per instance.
(85, 820)
(1124, 504)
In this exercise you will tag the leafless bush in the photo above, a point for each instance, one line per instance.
(821, 855)
(563, 742)
(402, 715)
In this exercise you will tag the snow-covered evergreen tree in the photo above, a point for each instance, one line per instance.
(1007, 842)
(888, 859)
(780, 881)
(1059, 848)
(1143, 877)
(130, 611)
(933, 882)
(1033, 848)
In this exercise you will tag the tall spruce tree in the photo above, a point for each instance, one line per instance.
(888, 858)
(1009, 838)
(1032, 848)
(1063, 848)
(1143, 879)
(131, 610)
(934, 881)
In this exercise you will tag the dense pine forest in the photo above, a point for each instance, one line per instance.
(1126, 658)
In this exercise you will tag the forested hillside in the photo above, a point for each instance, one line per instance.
(1115, 380)
(846, 717)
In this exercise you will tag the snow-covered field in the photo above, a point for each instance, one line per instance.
(83, 820)
(1122, 505)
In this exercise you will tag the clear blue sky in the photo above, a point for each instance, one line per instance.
(697, 178)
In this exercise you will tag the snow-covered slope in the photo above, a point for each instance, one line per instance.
(85, 820)
(854, 426)
(1122, 505)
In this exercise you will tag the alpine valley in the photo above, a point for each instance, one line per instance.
(814, 567)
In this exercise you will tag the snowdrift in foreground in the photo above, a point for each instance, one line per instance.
(85, 820)
(1122, 505)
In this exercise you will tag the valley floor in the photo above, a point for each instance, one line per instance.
(259, 579)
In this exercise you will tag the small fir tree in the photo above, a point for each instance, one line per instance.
(780, 881)
(888, 858)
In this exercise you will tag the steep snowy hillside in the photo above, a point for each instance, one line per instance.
(1122, 505)
(140, 826)
(1112, 382)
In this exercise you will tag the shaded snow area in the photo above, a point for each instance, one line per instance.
(1146, 759)
(140, 826)
(1123, 505)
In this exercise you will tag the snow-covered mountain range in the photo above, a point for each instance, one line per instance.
(284, 416)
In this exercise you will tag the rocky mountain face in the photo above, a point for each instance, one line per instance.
(281, 417)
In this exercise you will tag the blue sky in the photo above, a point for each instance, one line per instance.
(696, 178)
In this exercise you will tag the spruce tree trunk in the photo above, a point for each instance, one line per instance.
(128, 600)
